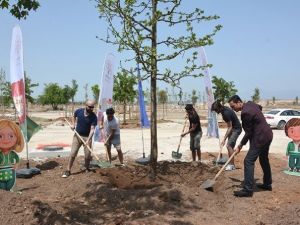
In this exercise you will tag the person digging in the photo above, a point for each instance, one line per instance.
(112, 134)
(194, 130)
(84, 122)
(234, 129)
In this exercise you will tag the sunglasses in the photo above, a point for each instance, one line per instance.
(91, 107)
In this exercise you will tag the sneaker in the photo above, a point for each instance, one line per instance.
(291, 169)
(66, 174)
(230, 167)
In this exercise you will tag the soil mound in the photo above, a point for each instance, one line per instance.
(126, 195)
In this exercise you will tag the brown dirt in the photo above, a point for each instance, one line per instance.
(127, 196)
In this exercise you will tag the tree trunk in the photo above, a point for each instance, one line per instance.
(154, 150)
(124, 113)
(129, 112)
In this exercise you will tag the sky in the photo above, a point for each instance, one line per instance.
(258, 46)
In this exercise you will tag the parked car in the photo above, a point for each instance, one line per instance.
(279, 117)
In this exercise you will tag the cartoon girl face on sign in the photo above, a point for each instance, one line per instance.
(10, 137)
(292, 129)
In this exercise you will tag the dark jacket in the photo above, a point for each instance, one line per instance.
(257, 131)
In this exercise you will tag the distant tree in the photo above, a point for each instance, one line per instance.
(53, 95)
(194, 97)
(162, 99)
(6, 93)
(296, 100)
(223, 90)
(123, 91)
(273, 100)
(86, 95)
(147, 95)
(199, 96)
(73, 91)
(96, 91)
(4, 90)
(28, 88)
(21, 8)
(256, 96)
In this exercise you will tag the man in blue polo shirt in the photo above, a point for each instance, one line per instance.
(84, 122)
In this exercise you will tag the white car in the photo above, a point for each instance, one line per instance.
(279, 117)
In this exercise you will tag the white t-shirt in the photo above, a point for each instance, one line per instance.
(111, 125)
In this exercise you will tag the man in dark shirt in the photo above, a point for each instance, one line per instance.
(260, 135)
(195, 131)
(234, 129)
(85, 120)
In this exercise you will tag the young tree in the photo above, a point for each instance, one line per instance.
(86, 95)
(139, 32)
(194, 97)
(28, 88)
(73, 91)
(21, 8)
(163, 99)
(53, 95)
(123, 91)
(256, 96)
(2, 89)
(223, 90)
(96, 91)
(273, 100)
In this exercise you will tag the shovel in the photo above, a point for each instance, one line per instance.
(176, 154)
(100, 164)
(208, 184)
(220, 158)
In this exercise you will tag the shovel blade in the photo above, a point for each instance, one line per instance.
(143, 160)
(208, 184)
(105, 164)
(176, 155)
(221, 160)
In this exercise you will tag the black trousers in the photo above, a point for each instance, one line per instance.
(249, 164)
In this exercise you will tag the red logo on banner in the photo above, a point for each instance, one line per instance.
(18, 94)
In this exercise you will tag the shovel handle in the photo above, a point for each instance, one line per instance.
(220, 152)
(85, 144)
(184, 125)
(223, 167)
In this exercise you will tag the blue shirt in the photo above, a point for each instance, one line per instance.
(84, 123)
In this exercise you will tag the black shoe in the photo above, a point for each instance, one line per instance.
(243, 193)
(264, 187)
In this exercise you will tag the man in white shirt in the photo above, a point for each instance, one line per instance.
(112, 134)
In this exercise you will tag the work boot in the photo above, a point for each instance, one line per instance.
(243, 193)
(264, 187)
